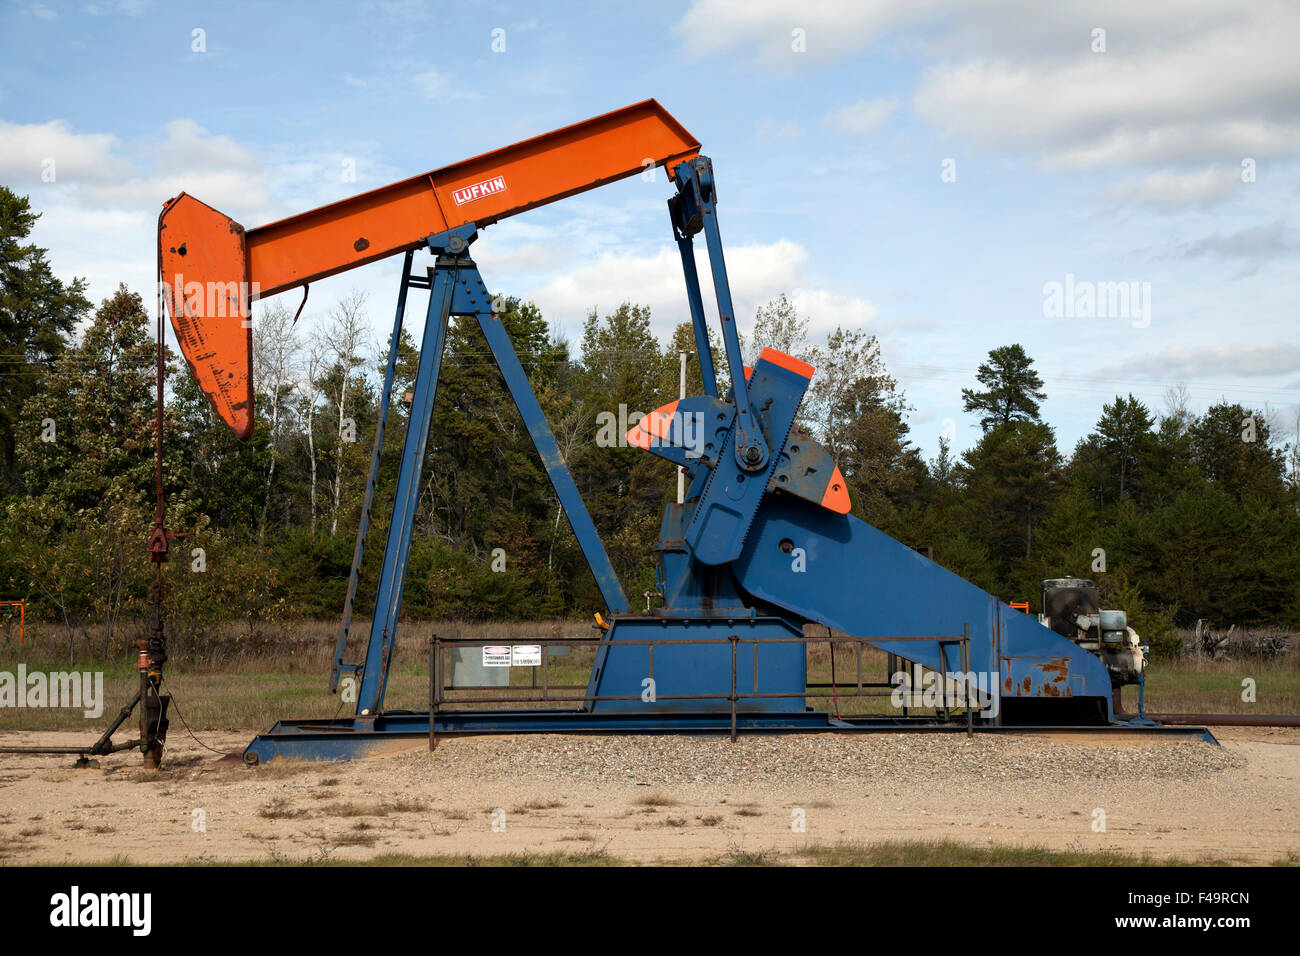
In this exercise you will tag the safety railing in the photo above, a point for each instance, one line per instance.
(440, 690)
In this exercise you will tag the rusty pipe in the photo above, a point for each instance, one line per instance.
(1229, 720)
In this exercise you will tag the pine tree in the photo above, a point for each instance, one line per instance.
(1012, 389)
(37, 316)
(1116, 455)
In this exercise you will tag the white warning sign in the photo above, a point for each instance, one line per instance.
(526, 655)
(496, 657)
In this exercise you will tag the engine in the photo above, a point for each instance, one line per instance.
(1072, 608)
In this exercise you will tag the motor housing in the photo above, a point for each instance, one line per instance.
(1072, 608)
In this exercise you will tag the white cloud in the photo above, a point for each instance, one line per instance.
(1155, 96)
(865, 116)
(98, 218)
(1178, 362)
(1176, 106)
(771, 130)
(434, 85)
(757, 273)
(104, 8)
(97, 170)
(1181, 81)
(1252, 246)
(26, 151)
(1167, 189)
(832, 28)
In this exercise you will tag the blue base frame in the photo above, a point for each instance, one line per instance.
(354, 738)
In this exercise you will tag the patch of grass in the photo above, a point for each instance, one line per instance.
(748, 812)
(538, 804)
(885, 853)
(404, 805)
(590, 857)
(280, 809)
(737, 856)
(709, 821)
(656, 800)
(353, 838)
(956, 853)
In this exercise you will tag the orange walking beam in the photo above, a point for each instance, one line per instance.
(211, 268)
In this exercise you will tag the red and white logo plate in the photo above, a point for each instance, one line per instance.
(488, 187)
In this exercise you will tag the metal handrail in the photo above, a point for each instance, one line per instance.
(438, 687)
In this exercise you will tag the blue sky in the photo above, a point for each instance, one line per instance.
(830, 125)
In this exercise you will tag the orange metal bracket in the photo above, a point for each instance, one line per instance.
(211, 268)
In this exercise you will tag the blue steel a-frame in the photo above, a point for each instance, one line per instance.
(455, 288)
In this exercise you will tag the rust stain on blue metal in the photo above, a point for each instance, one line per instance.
(1056, 678)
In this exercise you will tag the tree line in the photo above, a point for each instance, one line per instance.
(1178, 515)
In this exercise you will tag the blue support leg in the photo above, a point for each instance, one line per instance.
(388, 601)
(363, 528)
(561, 479)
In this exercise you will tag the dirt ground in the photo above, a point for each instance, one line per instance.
(665, 799)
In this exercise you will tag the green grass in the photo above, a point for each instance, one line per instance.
(250, 690)
(949, 853)
(955, 853)
(579, 858)
(1192, 686)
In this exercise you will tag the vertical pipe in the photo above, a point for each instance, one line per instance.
(749, 434)
(734, 639)
(546, 672)
(681, 469)
(965, 645)
(358, 549)
(698, 321)
(943, 677)
(996, 671)
(433, 708)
